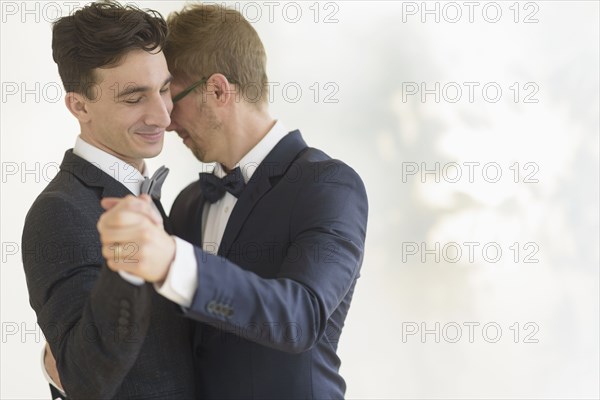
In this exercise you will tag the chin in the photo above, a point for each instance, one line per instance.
(200, 155)
(150, 152)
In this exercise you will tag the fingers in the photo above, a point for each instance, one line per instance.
(154, 215)
(120, 220)
(121, 212)
(109, 202)
(123, 240)
(50, 365)
(141, 204)
(139, 232)
(150, 257)
(122, 256)
(133, 237)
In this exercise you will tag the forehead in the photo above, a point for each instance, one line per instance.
(177, 83)
(137, 66)
(180, 82)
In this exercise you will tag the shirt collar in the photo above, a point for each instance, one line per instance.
(258, 153)
(121, 171)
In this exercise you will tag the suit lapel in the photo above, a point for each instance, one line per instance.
(108, 186)
(92, 176)
(166, 221)
(195, 228)
(274, 165)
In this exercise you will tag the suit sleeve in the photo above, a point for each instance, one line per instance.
(323, 260)
(94, 320)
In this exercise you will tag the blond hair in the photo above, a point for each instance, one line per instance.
(205, 39)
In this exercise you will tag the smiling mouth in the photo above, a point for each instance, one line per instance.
(152, 136)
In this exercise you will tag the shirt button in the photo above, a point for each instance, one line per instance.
(226, 209)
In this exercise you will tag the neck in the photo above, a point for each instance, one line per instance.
(252, 126)
(138, 163)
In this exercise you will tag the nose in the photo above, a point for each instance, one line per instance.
(173, 126)
(158, 114)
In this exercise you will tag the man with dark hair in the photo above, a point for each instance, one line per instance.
(269, 245)
(111, 334)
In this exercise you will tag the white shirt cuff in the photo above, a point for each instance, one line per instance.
(181, 283)
(47, 375)
(134, 280)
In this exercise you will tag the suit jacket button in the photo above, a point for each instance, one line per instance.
(211, 307)
(219, 308)
(122, 331)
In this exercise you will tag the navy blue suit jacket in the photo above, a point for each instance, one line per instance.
(272, 304)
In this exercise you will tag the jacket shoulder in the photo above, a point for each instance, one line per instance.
(64, 197)
(319, 168)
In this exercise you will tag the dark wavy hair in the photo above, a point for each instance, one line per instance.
(100, 35)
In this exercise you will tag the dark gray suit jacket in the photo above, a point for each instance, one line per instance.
(271, 306)
(111, 339)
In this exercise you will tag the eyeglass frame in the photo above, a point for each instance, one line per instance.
(193, 86)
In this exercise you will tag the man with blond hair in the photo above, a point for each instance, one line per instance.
(267, 248)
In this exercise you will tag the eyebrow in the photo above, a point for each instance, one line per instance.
(130, 89)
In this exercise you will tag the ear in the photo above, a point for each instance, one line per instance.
(77, 104)
(224, 91)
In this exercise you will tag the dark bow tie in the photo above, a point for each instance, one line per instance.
(214, 188)
(152, 186)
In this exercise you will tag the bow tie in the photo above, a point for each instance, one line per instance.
(214, 188)
(152, 186)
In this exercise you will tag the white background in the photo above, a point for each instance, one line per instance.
(368, 56)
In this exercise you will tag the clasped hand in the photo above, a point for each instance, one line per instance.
(133, 238)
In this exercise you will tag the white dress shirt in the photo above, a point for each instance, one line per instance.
(121, 171)
(181, 282)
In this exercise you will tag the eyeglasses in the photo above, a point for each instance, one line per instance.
(193, 86)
